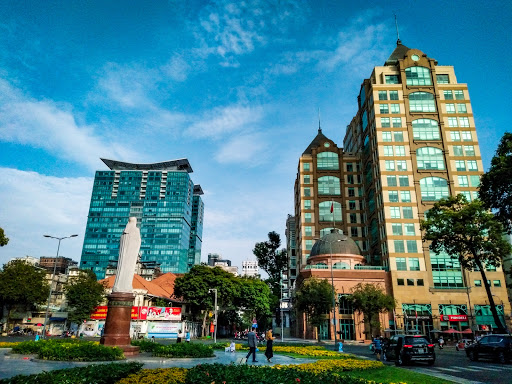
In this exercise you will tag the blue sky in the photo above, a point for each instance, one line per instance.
(232, 86)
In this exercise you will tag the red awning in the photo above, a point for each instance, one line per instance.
(467, 330)
(451, 330)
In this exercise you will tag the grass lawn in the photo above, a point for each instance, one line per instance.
(397, 375)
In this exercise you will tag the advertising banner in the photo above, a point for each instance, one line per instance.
(163, 329)
(164, 313)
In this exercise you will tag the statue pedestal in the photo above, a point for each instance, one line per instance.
(117, 326)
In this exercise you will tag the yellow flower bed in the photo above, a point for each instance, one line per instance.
(321, 366)
(156, 376)
(307, 351)
(4, 344)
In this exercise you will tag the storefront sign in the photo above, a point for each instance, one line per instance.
(454, 318)
(142, 313)
(164, 313)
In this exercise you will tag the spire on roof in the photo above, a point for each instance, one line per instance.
(319, 127)
(398, 41)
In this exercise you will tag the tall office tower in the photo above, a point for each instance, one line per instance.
(168, 208)
(416, 136)
(327, 195)
(250, 268)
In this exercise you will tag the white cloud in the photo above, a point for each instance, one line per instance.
(177, 68)
(52, 127)
(247, 148)
(222, 121)
(34, 205)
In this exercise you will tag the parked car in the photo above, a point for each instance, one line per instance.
(404, 349)
(495, 347)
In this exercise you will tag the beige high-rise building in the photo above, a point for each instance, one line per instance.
(412, 142)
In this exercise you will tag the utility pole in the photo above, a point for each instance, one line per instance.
(281, 305)
(215, 309)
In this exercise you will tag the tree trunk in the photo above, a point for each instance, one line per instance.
(497, 320)
(203, 330)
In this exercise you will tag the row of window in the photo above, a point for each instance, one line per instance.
(400, 246)
(389, 108)
(399, 229)
(397, 196)
(395, 79)
(410, 282)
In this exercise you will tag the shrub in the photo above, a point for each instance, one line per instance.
(184, 350)
(91, 374)
(157, 376)
(146, 345)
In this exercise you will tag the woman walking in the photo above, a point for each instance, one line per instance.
(269, 353)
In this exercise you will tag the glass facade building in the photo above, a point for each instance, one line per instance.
(168, 208)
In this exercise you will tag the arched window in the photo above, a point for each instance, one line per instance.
(425, 129)
(422, 102)
(418, 76)
(430, 158)
(327, 160)
(325, 231)
(340, 265)
(329, 185)
(320, 266)
(324, 211)
(433, 188)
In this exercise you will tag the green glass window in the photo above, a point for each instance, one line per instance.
(397, 123)
(469, 150)
(409, 229)
(459, 95)
(418, 76)
(383, 95)
(386, 136)
(307, 217)
(460, 165)
(307, 204)
(392, 79)
(308, 231)
(448, 95)
(430, 158)
(401, 165)
(393, 196)
(405, 196)
(461, 108)
(464, 121)
(446, 271)
(385, 122)
(455, 136)
(395, 108)
(352, 204)
(412, 246)
(401, 265)
(407, 212)
(404, 180)
(466, 136)
(496, 283)
(391, 181)
(307, 192)
(306, 166)
(388, 150)
(422, 102)
(329, 185)
(425, 129)
(397, 229)
(472, 165)
(395, 212)
(324, 211)
(450, 108)
(434, 188)
(399, 150)
(443, 79)
(399, 246)
(384, 108)
(393, 95)
(309, 245)
(390, 165)
(463, 181)
(327, 160)
(325, 231)
(452, 122)
(474, 180)
(307, 179)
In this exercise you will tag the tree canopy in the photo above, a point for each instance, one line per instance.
(83, 294)
(467, 231)
(315, 298)
(370, 300)
(3, 239)
(270, 258)
(496, 186)
(22, 286)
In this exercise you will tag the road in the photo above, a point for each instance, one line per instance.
(451, 365)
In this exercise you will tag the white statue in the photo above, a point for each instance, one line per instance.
(128, 253)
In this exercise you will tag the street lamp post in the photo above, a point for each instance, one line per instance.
(281, 305)
(215, 309)
(53, 277)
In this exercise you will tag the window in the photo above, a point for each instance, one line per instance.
(412, 247)
(399, 150)
(443, 79)
(418, 76)
(352, 204)
(399, 281)
(397, 122)
(390, 165)
(307, 179)
(397, 229)
(306, 166)
(405, 196)
(474, 181)
(450, 108)
(353, 218)
(446, 271)
(399, 136)
(351, 192)
(457, 150)
(391, 181)
(430, 158)
(329, 185)
(452, 122)
(419, 282)
(472, 165)
(460, 165)
(307, 192)
(393, 95)
(461, 108)
(325, 214)
(309, 245)
(383, 95)
(463, 181)
(477, 283)
(395, 108)
(388, 150)
(384, 108)
(391, 79)
(496, 283)
(404, 181)
(395, 212)
(307, 204)
(467, 195)
(350, 179)
(422, 102)
(399, 246)
(409, 229)
(469, 150)
(400, 264)
(327, 160)
(407, 212)
(401, 165)
(308, 231)
(425, 129)
(455, 136)
(410, 281)
(433, 188)
(350, 167)
(307, 217)
(459, 95)
(448, 95)
(464, 121)
(393, 196)
(386, 136)
(466, 136)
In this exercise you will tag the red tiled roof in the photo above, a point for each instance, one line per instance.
(163, 286)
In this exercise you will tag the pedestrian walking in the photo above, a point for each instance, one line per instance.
(251, 339)
(269, 353)
(378, 346)
(187, 336)
(180, 335)
(441, 342)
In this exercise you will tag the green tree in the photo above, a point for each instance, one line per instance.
(371, 301)
(496, 186)
(3, 239)
(270, 258)
(254, 299)
(194, 287)
(22, 287)
(314, 297)
(467, 231)
(83, 294)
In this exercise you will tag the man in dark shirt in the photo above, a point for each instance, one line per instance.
(251, 338)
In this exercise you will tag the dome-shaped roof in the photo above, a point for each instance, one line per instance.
(335, 243)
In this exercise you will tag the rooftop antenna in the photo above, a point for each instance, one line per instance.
(398, 42)
(319, 127)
